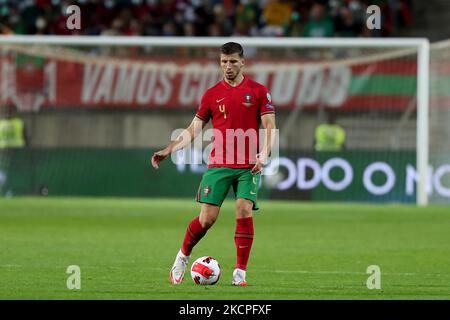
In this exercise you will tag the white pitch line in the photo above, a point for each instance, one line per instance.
(10, 266)
(86, 267)
(356, 273)
(263, 270)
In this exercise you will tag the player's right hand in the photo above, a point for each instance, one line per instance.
(158, 157)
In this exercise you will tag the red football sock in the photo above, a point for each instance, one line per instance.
(243, 238)
(194, 233)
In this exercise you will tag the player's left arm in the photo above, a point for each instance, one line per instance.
(269, 126)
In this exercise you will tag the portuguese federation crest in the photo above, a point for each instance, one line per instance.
(206, 190)
(247, 100)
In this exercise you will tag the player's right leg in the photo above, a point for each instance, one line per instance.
(196, 230)
(211, 193)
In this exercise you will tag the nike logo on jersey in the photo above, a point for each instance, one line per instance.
(251, 192)
(219, 100)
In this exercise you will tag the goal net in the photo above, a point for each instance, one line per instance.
(438, 186)
(352, 116)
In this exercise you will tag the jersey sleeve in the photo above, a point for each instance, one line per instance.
(265, 102)
(204, 110)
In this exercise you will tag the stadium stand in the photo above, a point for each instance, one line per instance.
(341, 18)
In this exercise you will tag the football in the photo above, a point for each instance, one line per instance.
(205, 271)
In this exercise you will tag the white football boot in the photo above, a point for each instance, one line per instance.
(178, 268)
(239, 278)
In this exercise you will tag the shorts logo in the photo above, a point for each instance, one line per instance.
(206, 190)
(248, 99)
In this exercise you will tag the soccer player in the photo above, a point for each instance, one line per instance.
(237, 107)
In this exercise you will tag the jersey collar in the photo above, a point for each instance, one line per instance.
(228, 86)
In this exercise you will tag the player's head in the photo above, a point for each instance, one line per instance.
(231, 60)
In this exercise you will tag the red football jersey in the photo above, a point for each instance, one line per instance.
(236, 115)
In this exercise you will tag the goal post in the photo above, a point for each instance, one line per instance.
(423, 69)
(368, 50)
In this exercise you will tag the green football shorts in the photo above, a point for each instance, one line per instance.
(216, 183)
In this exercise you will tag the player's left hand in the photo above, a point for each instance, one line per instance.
(258, 167)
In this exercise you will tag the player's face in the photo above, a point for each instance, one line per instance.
(231, 65)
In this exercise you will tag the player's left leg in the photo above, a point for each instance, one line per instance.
(246, 189)
(243, 239)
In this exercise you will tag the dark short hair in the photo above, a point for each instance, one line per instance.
(231, 48)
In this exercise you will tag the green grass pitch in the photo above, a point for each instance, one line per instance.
(125, 248)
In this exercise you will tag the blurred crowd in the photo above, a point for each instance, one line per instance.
(289, 18)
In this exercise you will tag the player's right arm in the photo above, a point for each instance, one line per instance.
(187, 135)
(183, 139)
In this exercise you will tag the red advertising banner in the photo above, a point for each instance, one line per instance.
(45, 83)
